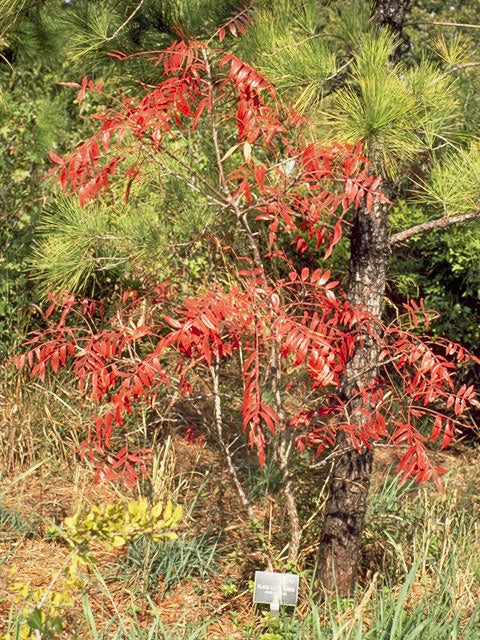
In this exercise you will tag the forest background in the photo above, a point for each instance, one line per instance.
(430, 159)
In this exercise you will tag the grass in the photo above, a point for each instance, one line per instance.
(391, 612)
(151, 566)
(15, 524)
(133, 629)
(420, 573)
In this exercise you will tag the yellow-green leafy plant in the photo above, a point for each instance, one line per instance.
(119, 523)
(43, 609)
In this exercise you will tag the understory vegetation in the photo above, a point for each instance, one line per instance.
(239, 318)
(420, 572)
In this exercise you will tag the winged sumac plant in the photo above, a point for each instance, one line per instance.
(272, 182)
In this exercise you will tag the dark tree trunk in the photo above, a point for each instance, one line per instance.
(348, 491)
(391, 14)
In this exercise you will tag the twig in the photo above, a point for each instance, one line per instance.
(296, 44)
(241, 215)
(443, 24)
(459, 67)
(219, 426)
(124, 24)
(439, 223)
(335, 453)
(220, 202)
(284, 449)
(344, 66)
(19, 11)
(221, 175)
(232, 19)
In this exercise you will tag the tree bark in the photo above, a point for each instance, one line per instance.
(391, 14)
(369, 255)
(348, 492)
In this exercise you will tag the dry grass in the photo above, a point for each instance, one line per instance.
(55, 493)
(444, 532)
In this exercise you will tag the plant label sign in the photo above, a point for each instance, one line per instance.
(275, 589)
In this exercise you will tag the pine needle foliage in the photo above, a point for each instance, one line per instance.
(156, 235)
(335, 63)
(72, 247)
(84, 32)
(290, 47)
(458, 49)
(454, 183)
(397, 112)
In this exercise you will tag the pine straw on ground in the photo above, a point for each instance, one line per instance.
(55, 493)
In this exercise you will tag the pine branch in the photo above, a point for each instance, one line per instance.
(444, 24)
(459, 67)
(124, 24)
(439, 223)
(8, 12)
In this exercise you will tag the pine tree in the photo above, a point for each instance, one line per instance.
(49, 243)
(359, 83)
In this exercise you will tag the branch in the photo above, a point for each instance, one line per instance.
(211, 108)
(219, 425)
(124, 24)
(459, 67)
(114, 34)
(190, 170)
(439, 223)
(232, 19)
(444, 24)
(241, 215)
(300, 42)
(21, 9)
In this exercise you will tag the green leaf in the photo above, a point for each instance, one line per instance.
(34, 620)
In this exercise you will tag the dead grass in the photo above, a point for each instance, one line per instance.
(54, 493)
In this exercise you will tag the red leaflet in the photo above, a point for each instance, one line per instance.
(337, 234)
(55, 158)
(260, 177)
(305, 274)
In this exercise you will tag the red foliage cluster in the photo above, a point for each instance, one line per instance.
(313, 331)
(305, 191)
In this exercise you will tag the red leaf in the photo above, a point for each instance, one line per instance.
(55, 361)
(260, 177)
(54, 158)
(337, 234)
(448, 434)
(275, 301)
(270, 417)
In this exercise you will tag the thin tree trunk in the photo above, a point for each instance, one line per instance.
(348, 490)
(290, 502)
